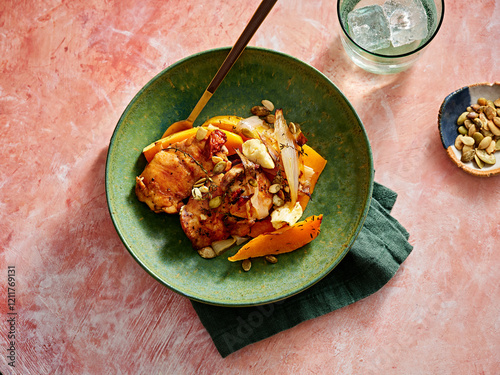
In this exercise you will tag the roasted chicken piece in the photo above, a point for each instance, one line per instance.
(168, 179)
(245, 198)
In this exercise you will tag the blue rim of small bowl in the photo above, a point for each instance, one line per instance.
(420, 48)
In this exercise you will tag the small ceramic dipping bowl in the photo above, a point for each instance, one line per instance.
(452, 107)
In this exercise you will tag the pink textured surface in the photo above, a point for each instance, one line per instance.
(67, 72)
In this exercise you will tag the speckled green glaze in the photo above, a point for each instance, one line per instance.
(332, 127)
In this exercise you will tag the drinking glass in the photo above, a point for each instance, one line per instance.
(392, 59)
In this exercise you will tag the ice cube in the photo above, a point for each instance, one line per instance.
(369, 27)
(407, 21)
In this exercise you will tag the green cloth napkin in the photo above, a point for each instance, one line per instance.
(382, 245)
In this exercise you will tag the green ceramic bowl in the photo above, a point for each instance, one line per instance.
(332, 127)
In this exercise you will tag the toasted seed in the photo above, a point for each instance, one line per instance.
(487, 133)
(467, 156)
(260, 111)
(491, 148)
(268, 104)
(494, 127)
(204, 189)
(196, 193)
(207, 252)
(478, 123)
(219, 167)
(270, 119)
(252, 182)
(490, 112)
(481, 101)
(498, 112)
(469, 109)
(249, 133)
(467, 148)
(216, 159)
(497, 102)
(484, 156)
(472, 115)
(246, 265)
(484, 143)
(461, 119)
(497, 145)
(469, 141)
(292, 127)
(274, 188)
(472, 130)
(478, 161)
(271, 259)
(459, 145)
(490, 103)
(201, 133)
(476, 107)
(200, 182)
(468, 123)
(215, 202)
(478, 137)
(277, 201)
(462, 130)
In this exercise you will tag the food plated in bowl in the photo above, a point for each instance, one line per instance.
(469, 125)
(342, 195)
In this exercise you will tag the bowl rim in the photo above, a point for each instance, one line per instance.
(420, 48)
(363, 214)
(449, 150)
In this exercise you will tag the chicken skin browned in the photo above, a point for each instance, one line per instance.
(244, 198)
(168, 179)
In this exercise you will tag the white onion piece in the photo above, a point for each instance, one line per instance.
(289, 155)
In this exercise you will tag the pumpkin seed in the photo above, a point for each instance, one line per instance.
(497, 145)
(216, 159)
(494, 126)
(467, 148)
(292, 127)
(277, 201)
(252, 182)
(462, 130)
(207, 252)
(491, 148)
(487, 133)
(196, 193)
(478, 123)
(497, 102)
(260, 111)
(479, 162)
(490, 112)
(270, 119)
(220, 167)
(472, 130)
(462, 118)
(271, 259)
(481, 101)
(469, 141)
(472, 115)
(246, 265)
(489, 103)
(200, 182)
(201, 133)
(478, 137)
(484, 156)
(476, 107)
(204, 189)
(215, 202)
(268, 104)
(467, 156)
(468, 123)
(484, 143)
(249, 133)
(274, 188)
